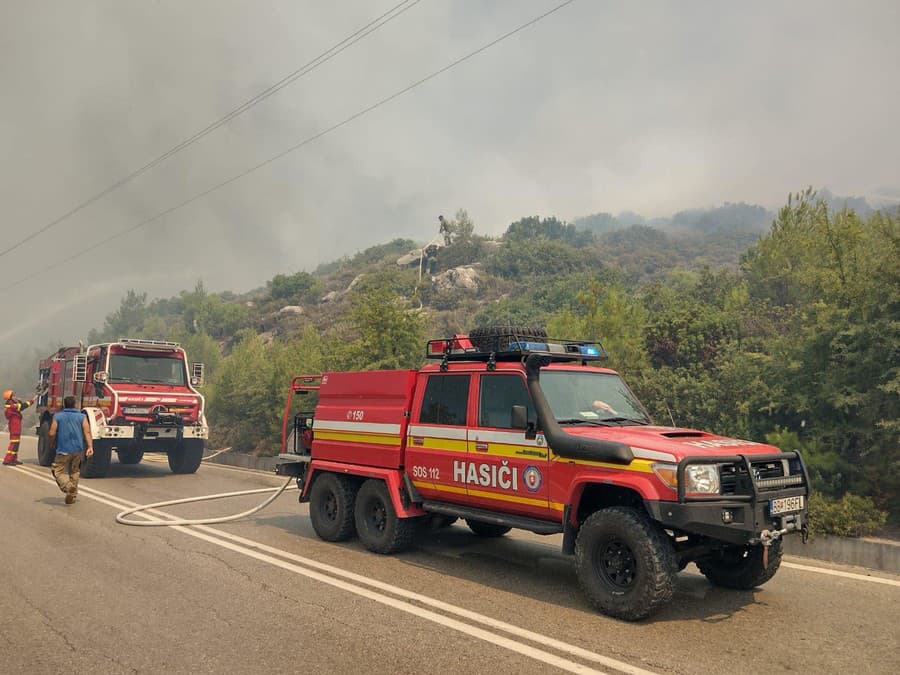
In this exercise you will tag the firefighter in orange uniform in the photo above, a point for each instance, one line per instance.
(13, 408)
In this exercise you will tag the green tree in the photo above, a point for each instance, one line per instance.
(387, 331)
(300, 286)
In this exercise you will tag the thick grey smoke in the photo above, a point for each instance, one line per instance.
(603, 106)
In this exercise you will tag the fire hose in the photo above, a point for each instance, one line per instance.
(122, 516)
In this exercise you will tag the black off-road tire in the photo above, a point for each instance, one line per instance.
(45, 453)
(626, 565)
(497, 338)
(130, 455)
(483, 529)
(97, 465)
(379, 528)
(331, 503)
(187, 457)
(741, 567)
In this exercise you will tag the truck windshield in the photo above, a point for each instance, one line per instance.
(146, 369)
(580, 396)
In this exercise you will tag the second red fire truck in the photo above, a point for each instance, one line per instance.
(138, 395)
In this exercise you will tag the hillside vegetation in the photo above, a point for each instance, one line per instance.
(772, 327)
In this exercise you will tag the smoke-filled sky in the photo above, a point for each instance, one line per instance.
(648, 106)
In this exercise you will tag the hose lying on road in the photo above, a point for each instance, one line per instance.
(121, 517)
(216, 454)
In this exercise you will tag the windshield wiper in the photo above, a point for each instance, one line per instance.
(624, 419)
(579, 420)
(120, 379)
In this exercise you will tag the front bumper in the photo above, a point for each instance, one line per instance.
(128, 431)
(744, 516)
(750, 524)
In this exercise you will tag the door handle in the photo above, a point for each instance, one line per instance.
(481, 446)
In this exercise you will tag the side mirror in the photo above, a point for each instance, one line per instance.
(197, 370)
(519, 420)
(519, 417)
(101, 377)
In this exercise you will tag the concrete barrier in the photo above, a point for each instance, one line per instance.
(876, 554)
(244, 461)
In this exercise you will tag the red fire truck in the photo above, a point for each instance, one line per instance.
(514, 430)
(138, 395)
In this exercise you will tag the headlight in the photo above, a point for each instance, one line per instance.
(698, 478)
(702, 478)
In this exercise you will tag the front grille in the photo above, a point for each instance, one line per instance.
(769, 476)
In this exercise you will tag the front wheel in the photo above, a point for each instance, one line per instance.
(45, 453)
(625, 564)
(97, 465)
(187, 456)
(379, 528)
(742, 567)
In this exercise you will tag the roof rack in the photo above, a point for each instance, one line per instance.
(147, 343)
(511, 347)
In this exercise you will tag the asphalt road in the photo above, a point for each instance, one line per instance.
(84, 594)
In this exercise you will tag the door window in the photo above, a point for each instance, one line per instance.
(499, 393)
(445, 400)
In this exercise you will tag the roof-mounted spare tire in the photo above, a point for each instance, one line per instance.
(498, 338)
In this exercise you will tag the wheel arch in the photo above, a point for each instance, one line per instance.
(96, 420)
(592, 493)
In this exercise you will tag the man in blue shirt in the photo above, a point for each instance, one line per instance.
(69, 432)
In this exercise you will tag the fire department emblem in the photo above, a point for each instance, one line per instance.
(532, 479)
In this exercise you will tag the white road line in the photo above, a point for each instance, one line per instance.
(838, 573)
(253, 549)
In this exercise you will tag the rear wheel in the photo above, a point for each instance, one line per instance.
(187, 456)
(741, 567)
(97, 465)
(483, 529)
(379, 528)
(45, 453)
(130, 456)
(625, 565)
(331, 502)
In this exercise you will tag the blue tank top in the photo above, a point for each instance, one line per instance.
(69, 435)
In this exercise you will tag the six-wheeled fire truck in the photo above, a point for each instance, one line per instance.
(515, 430)
(138, 395)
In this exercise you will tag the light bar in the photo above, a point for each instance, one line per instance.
(147, 343)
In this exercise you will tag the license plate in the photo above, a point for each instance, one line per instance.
(785, 505)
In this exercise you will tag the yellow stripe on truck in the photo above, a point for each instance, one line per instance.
(640, 465)
(361, 437)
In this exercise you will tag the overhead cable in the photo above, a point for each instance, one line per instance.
(93, 247)
(321, 59)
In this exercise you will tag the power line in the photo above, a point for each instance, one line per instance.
(321, 59)
(294, 147)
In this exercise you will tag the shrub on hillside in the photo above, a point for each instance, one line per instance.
(850, 516)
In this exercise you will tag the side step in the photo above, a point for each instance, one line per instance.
(494, 518)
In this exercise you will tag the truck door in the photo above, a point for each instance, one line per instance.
(505, 470)
(436, 440)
